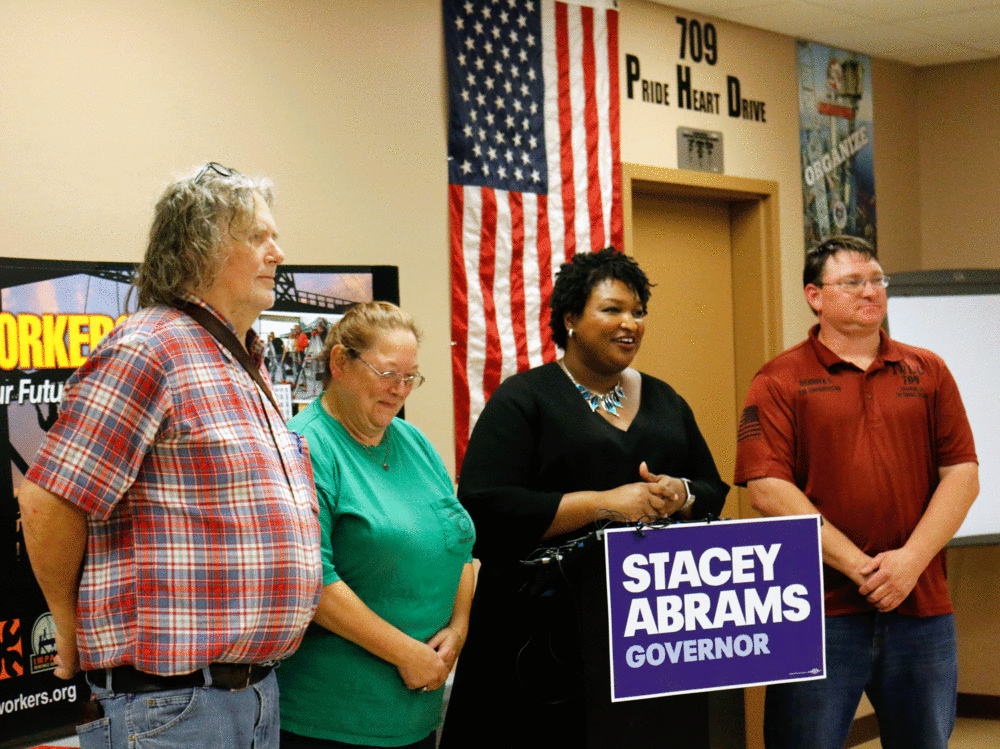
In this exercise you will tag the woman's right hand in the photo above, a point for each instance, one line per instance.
(422, 668)
(343, 613)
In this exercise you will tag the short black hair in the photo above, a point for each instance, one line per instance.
(816, 257)
(577, 279)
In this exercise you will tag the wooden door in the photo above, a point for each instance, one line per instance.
(683, 244)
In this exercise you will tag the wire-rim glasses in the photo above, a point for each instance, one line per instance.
(857, 285)
(412, 381)
(216, 169)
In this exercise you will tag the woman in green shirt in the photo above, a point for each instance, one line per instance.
(396, 550)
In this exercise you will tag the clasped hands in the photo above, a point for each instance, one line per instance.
(888, 578)
(656, 496)
(429, 664)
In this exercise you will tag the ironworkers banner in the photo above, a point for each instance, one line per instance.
(702, 606)
(52, 315)
(835, 135)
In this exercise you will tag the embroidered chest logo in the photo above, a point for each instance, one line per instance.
(817, 385)
(909, 380)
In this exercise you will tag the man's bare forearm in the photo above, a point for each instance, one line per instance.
(55, 534)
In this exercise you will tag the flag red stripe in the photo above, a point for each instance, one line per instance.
(459, 321)
(490, 239)
(565, 131)
(517, 317)
(545, 277)
(617, 219)
(487, 272)
(592, 125)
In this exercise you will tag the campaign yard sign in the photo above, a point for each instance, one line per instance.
(695, 607)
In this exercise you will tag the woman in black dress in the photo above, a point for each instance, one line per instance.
(559, 451)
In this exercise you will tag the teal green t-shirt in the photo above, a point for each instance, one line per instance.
(399, 539)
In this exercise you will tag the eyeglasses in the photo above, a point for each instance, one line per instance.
(394, 378)
(857, 285)
(217, 169)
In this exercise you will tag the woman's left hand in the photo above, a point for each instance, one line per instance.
(448, 643)
(677, 491)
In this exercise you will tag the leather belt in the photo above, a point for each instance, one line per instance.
(128, 679)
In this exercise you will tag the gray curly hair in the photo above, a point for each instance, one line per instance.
(185, 241)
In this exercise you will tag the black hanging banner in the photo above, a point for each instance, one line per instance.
(52, 315)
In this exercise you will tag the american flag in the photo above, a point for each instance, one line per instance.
(534, 172)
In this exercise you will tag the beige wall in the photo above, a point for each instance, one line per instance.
(104, 102)
(766, 66)
(975, 589)
(959, 176)
(897, 122)
(344, 106)
(959, 158)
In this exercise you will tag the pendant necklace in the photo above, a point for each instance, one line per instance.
(372, 451)
(610, 401)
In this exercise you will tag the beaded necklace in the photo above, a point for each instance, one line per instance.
(610, 401)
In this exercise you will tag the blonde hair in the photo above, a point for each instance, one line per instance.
(357, 329)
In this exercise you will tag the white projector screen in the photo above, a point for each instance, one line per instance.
(956, 314)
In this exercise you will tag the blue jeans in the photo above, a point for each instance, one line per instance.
(908, 667)
(191, 717)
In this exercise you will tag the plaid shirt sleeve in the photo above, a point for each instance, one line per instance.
(119, 399)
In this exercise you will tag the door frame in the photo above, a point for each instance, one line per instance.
(756, 273)
(755, 251)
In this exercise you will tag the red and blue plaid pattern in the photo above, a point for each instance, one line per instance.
(203, 540)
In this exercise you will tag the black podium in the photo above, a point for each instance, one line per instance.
(702, 720)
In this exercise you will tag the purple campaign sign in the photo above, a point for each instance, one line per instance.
(701, 606)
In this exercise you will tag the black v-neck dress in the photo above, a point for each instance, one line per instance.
(520, 680)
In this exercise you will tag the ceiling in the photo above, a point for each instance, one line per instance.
(916, 32)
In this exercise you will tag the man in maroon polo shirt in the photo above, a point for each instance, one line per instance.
(870, 433)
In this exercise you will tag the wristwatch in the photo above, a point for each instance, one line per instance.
(690, 499)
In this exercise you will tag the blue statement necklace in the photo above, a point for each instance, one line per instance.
(610, 401)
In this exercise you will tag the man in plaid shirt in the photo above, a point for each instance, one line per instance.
(170, 515)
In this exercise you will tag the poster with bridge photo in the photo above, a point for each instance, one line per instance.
(308, 300)
(52, 315)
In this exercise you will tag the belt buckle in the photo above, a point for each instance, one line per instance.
(246, 678)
